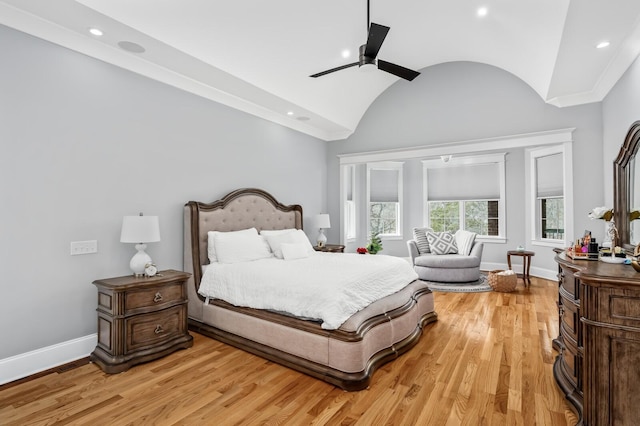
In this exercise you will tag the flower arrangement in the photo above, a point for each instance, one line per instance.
(601, 213)
(612, 232)
(362, 250)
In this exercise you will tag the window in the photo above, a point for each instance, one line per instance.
(552, 218)
(549, 175)
(465, 193)
(384, 183)
(479, 216)
(549, 193)
(349, 180)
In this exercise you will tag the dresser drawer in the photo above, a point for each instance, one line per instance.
(570, 321)
(571, 365)
(149, 330)
(156, 296)
(569, 283)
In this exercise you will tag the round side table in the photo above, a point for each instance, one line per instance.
(526, 263)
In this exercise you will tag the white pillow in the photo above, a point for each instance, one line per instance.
(296, 237)
(293, 251)
(267, 232)
(234, 247)
(211, 247)
(464, 241)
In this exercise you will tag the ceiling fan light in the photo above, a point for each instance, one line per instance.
(368, 67)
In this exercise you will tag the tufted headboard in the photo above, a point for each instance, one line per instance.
(240, 209)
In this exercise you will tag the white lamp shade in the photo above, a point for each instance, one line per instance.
(140, 229)
(322, 221)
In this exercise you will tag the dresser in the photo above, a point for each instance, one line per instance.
(598, 362)
(140, 319)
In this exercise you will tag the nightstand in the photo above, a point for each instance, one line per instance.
(332, 248)
(140, 319)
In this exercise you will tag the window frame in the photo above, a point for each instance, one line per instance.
(397, 166)
(533, 211)
(348, 169)
(498, 159)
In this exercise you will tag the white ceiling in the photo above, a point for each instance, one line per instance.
(257, 55)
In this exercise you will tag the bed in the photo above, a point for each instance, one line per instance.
(346, 356)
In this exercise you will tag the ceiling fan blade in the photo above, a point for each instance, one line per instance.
(377, 34)
(397, 70)
(320, 74)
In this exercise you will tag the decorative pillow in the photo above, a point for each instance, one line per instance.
(211, 247)
(243, 247)
(292, 251)
(464, 241)
(420, 236)
(442, 243)
(296, 237)
(267, 232)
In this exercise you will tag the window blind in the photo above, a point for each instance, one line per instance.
(383, 185)
(349, 182)
(549, 172)
(464, 182)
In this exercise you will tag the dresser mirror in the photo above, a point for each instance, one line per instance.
(626, 190)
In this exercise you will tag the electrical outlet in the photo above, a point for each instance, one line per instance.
(84, 247)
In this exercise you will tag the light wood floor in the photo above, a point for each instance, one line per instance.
(487, 361)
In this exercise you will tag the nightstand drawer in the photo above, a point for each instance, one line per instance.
(158, 296)
(149, 330)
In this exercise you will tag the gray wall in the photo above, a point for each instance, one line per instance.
(84, 144)
(463, 101)
(620, 109)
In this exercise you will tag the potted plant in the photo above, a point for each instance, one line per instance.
(375, 244)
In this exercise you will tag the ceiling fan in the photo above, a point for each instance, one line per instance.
(369, 52)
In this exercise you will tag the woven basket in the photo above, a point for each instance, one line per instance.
(503, 283)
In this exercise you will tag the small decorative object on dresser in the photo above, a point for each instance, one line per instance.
(140, 319)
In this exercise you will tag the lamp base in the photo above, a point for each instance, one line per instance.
(139, 260)
(322, 239)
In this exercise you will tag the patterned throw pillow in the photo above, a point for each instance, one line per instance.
(420, 237)
(442, 243)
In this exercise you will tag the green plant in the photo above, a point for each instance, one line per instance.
(375, 244)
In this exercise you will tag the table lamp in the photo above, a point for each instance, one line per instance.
(322, 222)
(140, 230)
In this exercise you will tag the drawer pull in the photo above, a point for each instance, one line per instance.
(159, 329)
(157, 297)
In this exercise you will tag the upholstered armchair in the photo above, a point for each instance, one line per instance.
(448, 268)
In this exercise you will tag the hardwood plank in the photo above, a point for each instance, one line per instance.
(486, 361)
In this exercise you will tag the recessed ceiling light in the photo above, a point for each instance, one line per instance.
(96, 32)
(482, 11)
(603, 44)
(290, 113)
(346, 53)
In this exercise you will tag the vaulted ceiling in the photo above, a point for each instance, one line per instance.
(257, 55)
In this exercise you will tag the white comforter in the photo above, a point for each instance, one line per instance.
(326, 286)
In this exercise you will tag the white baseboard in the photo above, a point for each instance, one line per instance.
(26, 364)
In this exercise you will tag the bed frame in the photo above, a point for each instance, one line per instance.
(346, 357)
